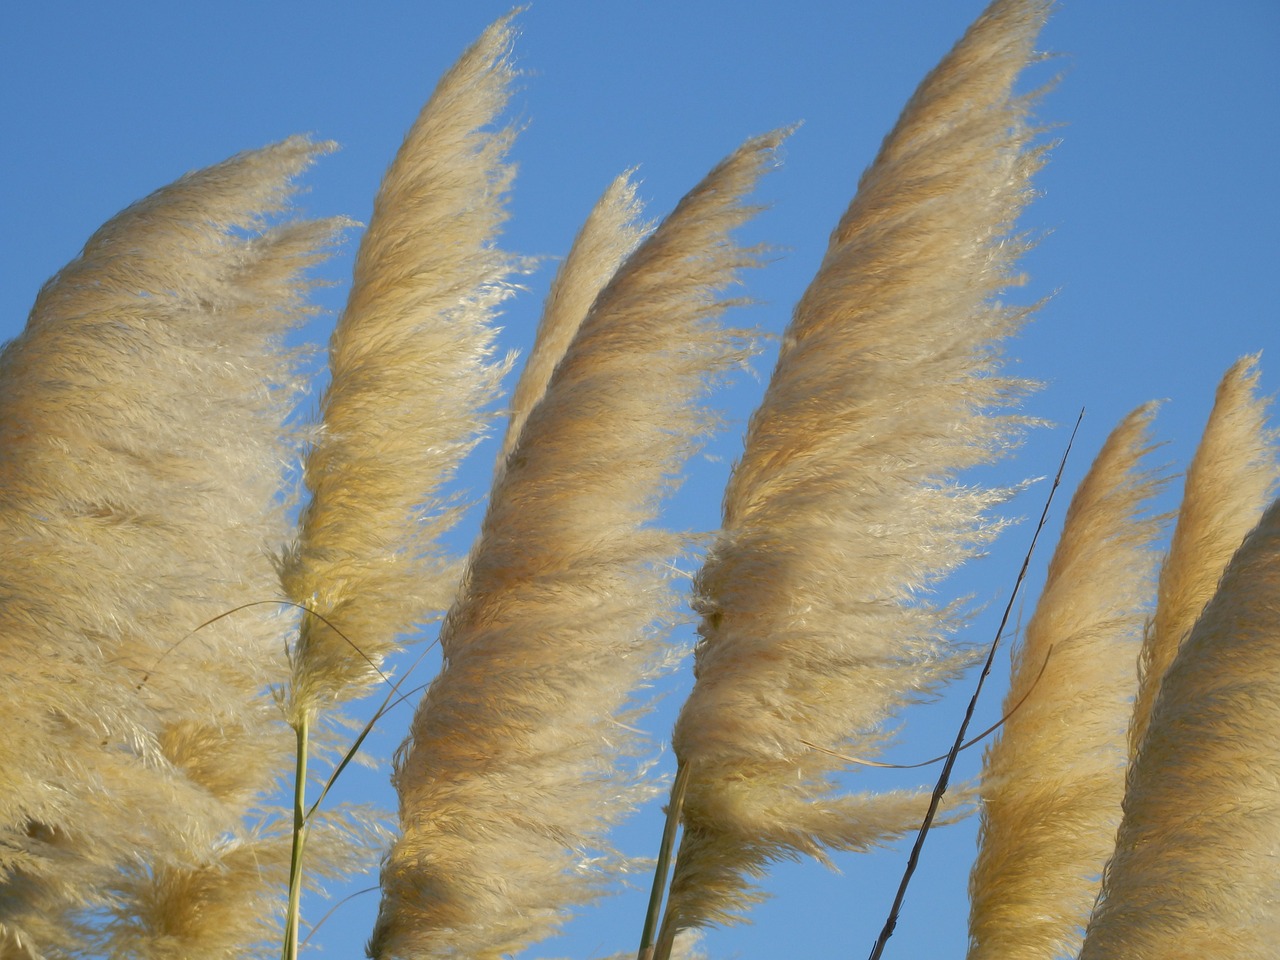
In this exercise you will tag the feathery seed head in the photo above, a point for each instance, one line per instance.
(1229, 482)
(413, 376)
(1052, 782)
(608, 236)
(844, 508)
(140, 423)
(1201, 810)
(520, 755)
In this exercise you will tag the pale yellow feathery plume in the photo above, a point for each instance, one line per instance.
(844, 507)
(1195, 872)
(1228, 485)
(142, 460)
(1052, 782)
(521, 753)
(413, 374)
(610, 233)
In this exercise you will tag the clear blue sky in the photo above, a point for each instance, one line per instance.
(1158, 222)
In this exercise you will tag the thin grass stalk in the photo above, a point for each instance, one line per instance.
(392, 699)
(293, 909)
(845, 509)
(315, 928)
(973, 741)
(303, 815)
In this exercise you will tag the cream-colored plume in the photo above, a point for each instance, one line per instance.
(1052, 782)
(845, 506)
(521, 755)
(143, 454)
(610, 233)
(413, 374)
(1195, 872)
(1229, 484)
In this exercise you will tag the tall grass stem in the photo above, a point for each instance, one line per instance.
(662, 870)
(303, 729)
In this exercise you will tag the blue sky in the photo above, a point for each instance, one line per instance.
(1157, 223)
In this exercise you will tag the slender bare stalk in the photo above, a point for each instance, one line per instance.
(844, 509)
(1052, 782)
(293, 909)
(140, 419)
(1194, 873)
(1229, 483)
(521, 753)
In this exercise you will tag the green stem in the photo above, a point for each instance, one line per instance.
(663, 866)
(303, 729)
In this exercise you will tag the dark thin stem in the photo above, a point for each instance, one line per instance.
(944, 778)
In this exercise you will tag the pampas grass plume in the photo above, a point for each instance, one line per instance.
(140, 419)
(1052, 782)
(1228, 485)
(521, 753)
(1194, 873)
(843, 507)
(412, 378)
(611, 231)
